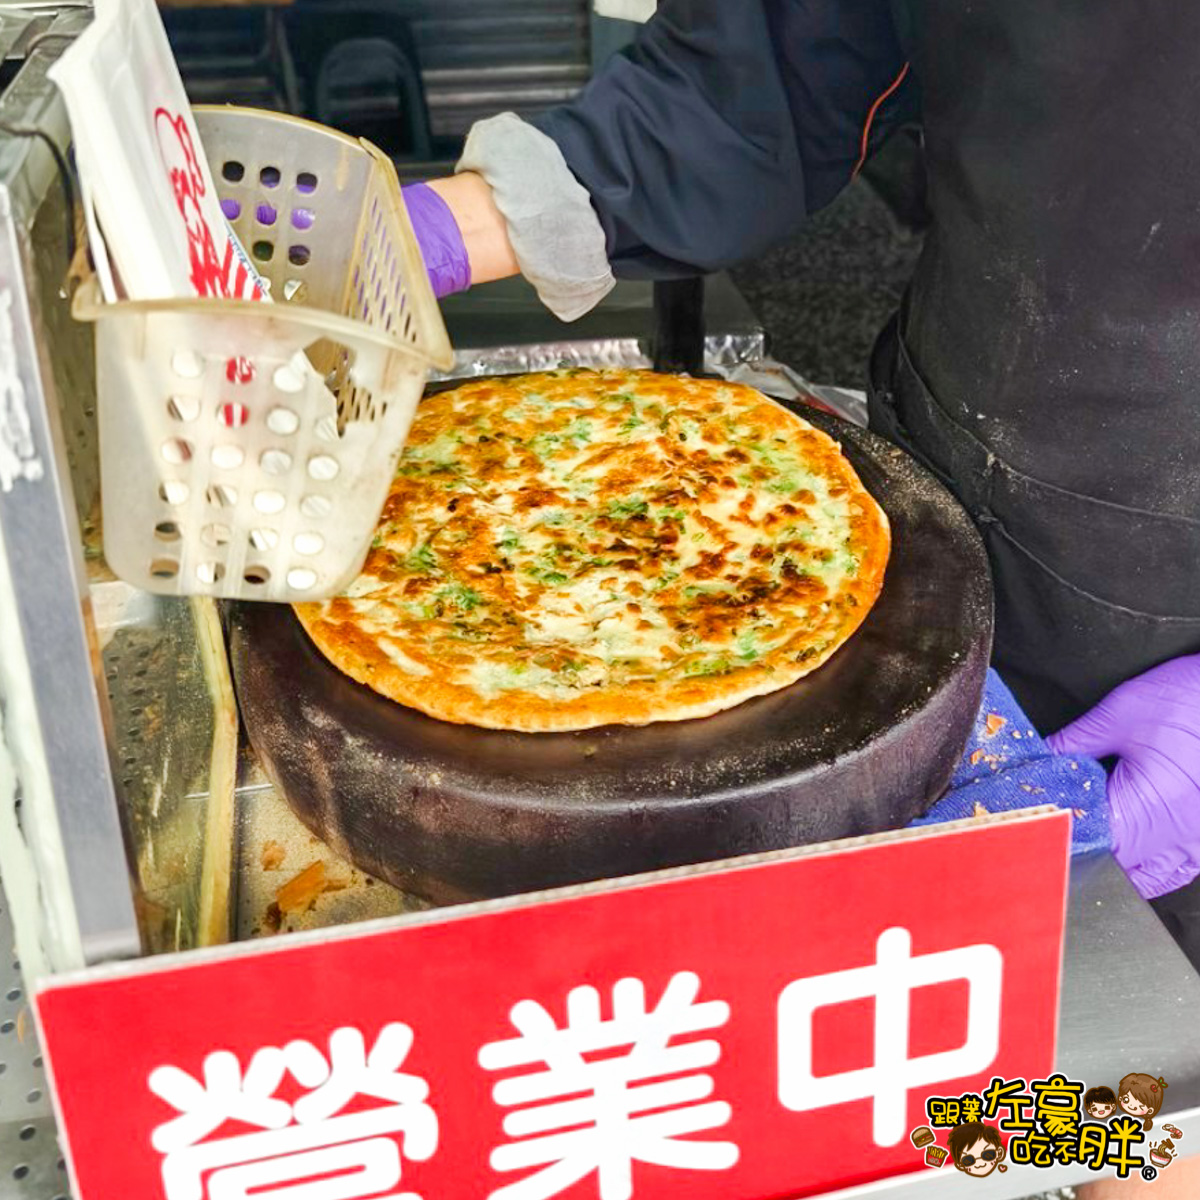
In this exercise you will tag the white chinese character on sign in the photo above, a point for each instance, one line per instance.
(890, 981)
(620, 1110)
(307, 1150)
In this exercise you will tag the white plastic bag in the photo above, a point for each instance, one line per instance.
(154, 219)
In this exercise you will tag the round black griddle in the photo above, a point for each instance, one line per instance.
(450, 812)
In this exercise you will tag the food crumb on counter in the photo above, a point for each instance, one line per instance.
(272, 856)
(994, 723)
(983, 756)
(302, 891)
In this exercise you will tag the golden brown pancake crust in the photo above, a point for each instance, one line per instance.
(582, 548)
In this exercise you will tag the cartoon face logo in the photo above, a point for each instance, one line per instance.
(976, 1149)
(1100, 1103)
(1141, 1096)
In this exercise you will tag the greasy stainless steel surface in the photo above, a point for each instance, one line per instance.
(502, 327)
(71, 361)
(273, 848)
(14, 27)
(1130, 1002)
(55, 714)
(31, 1165)
(175, 739)
(1129, 994)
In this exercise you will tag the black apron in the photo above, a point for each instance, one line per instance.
(1046, 362)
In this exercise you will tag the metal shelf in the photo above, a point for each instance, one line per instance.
(31, 1165)
(274, 848)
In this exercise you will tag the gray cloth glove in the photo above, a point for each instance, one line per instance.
(554, 231)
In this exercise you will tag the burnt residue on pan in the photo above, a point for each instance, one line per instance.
(451, 812)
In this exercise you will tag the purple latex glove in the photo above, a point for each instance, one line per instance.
(439, 239)
(1152, 724)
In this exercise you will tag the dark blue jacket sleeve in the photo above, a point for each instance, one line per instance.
(726, 123)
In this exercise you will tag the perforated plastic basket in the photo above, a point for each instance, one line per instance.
(247, 448)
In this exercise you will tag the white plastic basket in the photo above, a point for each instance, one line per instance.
(230, 466)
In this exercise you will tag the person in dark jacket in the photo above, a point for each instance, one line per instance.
(1044, 359)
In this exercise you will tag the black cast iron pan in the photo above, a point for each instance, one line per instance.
(449, 812)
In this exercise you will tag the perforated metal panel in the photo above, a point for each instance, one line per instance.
(31, 1165)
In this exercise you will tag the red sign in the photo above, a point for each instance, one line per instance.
(762, 1028)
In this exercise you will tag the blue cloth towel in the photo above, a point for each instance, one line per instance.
(1007, 765)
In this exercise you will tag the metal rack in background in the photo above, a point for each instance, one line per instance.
(410, 75)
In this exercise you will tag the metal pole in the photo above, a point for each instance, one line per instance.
(678, 343)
